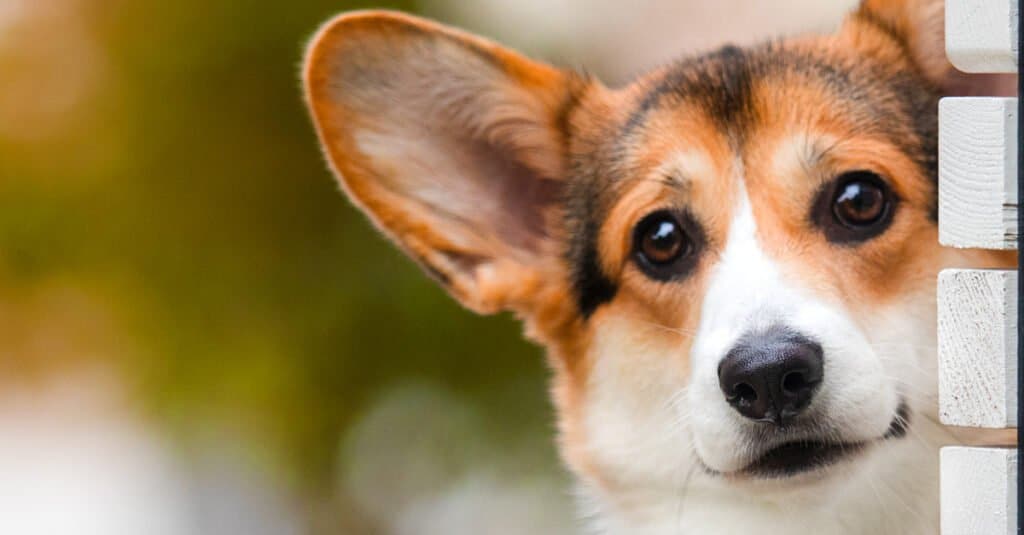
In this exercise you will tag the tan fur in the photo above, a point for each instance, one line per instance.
(801, 133)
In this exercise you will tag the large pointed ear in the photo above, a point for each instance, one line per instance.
(454, 146)
(919, 25)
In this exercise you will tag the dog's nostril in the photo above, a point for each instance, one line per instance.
(795, 382)
(745, 393)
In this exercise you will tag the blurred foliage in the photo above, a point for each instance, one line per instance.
(184, 195)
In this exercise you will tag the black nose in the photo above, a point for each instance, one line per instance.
(771, 376)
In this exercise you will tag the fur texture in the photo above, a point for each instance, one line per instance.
(520, 187)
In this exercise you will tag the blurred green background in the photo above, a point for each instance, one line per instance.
(159, 166)
(166, 218)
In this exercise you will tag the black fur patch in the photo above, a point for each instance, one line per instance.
(719, 81)
(593, 288)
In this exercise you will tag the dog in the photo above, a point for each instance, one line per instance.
(731, 261)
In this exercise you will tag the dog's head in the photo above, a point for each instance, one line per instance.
(732, 260)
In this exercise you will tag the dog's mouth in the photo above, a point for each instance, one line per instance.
(797, 457)
(802, 456)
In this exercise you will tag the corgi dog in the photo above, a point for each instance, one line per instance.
(731, 261)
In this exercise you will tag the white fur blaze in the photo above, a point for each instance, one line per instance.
(749, 292)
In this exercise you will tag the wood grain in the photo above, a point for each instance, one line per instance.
(977, 311)
(978, 172)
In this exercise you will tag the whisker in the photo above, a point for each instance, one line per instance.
(905, 345)
(680, 506)
(898, 498)
(680, 331)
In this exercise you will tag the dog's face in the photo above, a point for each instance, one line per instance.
(732, 261)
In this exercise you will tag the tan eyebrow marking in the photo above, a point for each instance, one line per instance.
(680, 169)
(671, 181)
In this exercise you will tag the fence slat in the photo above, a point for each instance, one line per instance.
(979, 491)
(981, 35)
(978, 347)
(978, 172)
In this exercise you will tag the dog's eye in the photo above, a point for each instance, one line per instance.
(859, 201)
(856, 206)
(663, 247)
(662, 241)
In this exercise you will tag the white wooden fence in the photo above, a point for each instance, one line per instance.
(978, 147)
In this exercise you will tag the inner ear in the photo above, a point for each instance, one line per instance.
(454, 146)
(525, 196)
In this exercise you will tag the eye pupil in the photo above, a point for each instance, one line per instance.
(854, 207)
(666, 243)
(859, 203)
(663, 242)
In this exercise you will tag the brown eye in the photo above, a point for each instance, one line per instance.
(859, 203)
(664, 243)
(855, 207)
